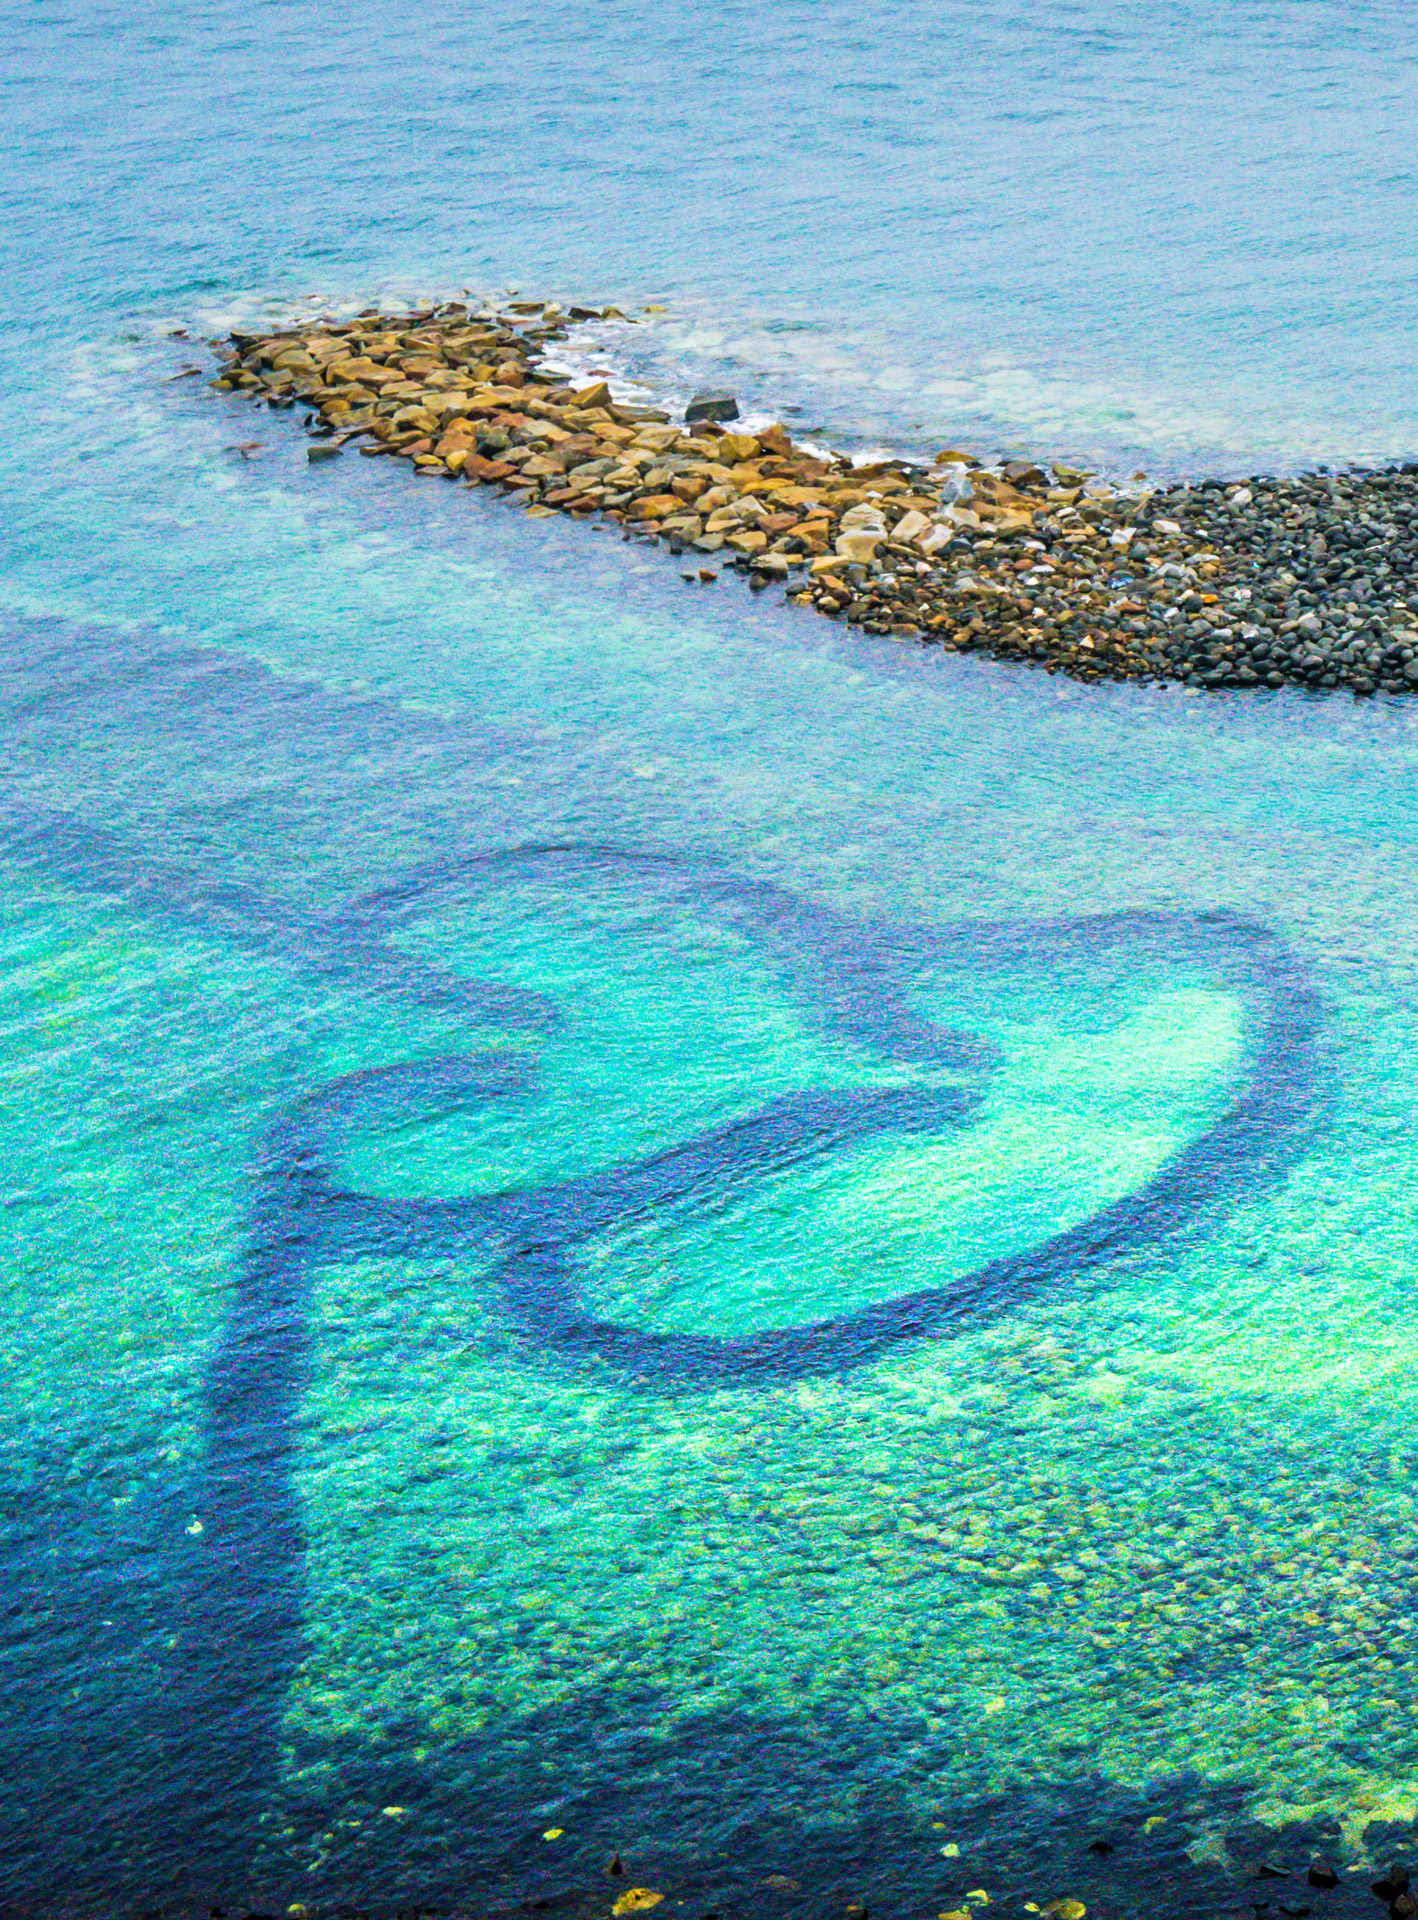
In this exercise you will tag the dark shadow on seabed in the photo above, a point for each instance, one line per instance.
(221, 1724)
(853, 980)
(303, 1219)
(205, 1746)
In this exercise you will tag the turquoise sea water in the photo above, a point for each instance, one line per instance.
(622, 1214)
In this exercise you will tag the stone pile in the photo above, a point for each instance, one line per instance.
(1311, 581)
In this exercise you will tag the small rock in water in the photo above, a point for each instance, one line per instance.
(712, 406)
(323, 450)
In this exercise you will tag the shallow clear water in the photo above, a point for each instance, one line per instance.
(622, 1214)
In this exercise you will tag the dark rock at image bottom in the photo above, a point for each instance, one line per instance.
(1084, 1850)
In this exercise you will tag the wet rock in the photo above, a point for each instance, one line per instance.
(712, 406)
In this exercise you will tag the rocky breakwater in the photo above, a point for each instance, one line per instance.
(1311, 581)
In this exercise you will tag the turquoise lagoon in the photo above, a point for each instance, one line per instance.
(623, 1214)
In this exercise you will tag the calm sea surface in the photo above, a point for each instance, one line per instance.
(632, 1226)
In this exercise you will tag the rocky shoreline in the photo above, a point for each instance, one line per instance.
(1309, 582)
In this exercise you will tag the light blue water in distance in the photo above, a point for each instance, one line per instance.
(351, 1546)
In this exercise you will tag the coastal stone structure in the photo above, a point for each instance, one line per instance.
(1312, 581)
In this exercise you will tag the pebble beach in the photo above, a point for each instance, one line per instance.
(1309, 581)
